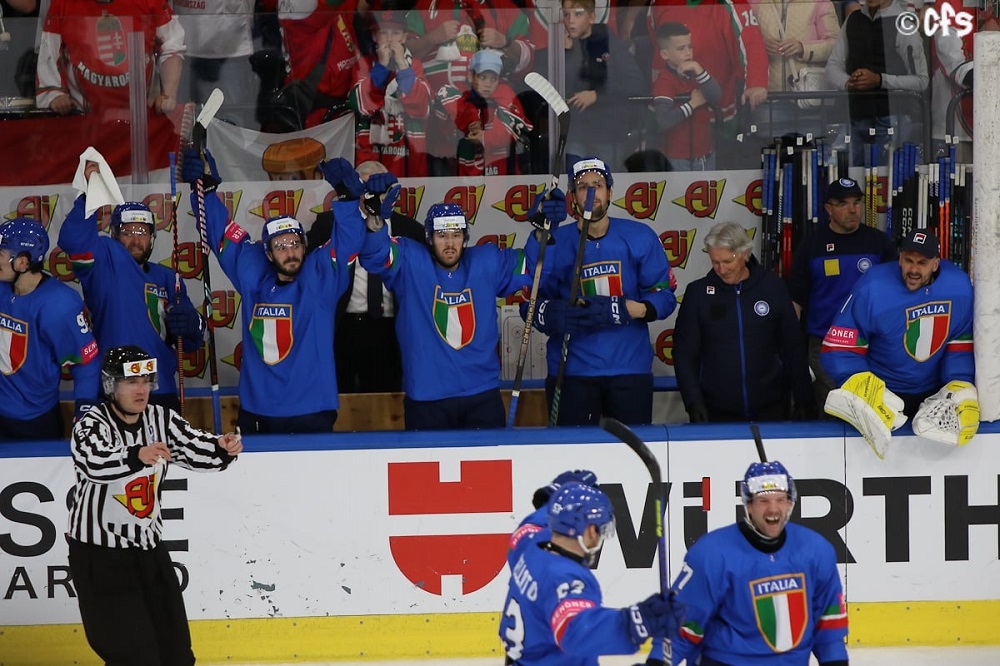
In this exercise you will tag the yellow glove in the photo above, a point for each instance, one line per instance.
(865, 403)
(950, 416)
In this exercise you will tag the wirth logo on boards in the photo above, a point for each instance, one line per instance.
(415, 489)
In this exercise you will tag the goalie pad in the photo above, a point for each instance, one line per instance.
(950, 416)
(865, 403)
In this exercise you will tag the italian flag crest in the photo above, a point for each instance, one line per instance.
(271, 330)
(155, 308)
(455, 317)
(927, 329)
(601, 279)
(13, 344)
(781, 608)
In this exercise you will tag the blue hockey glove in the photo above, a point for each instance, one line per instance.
(550, 316)
(379, 183)
(658, 616)
(193, 168)
(183, 321)
(597, 312)
(342, 177)
(81, 407)
(551, 208)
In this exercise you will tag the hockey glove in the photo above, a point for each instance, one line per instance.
(550, 316)
(343, 178)
(865, 403)
(549, 205)
(597, 312)
(698, 413)
(950, 416)
(659, 615)
(81, 407)
(193, 168)
(183, 321)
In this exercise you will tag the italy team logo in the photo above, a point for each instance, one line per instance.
(271, 330)
(601, 279)
(13, 344)
(155, 299)
(781, 608)
(927, 329)
(455, 317)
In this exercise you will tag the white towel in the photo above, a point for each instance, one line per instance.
(102, 189)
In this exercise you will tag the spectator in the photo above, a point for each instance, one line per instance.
(627, 283)
(828, 263)
(682, 92)
(797, 34)
(763, 566)
(130, 600)
(870, 58)
(447, 323)
(43, 330)
(131, 299)
(601, 75)
(905, 331)
(83, 60)
(288, 379)
(489, 116)
(738, 348)
(366, 348)
(391, 101)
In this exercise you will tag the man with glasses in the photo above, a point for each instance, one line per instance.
(131, 299)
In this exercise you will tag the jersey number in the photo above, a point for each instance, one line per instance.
(513, 633)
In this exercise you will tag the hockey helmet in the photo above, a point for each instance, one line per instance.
(767, 477)
(576, 506)
(126, 361)
(542, 495)
(132, 212)
(23, 235)
(282, 224)
(596, 164)
(445, 217)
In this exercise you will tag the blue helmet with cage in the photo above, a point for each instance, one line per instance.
(23, 235)
(591, 163)
(767, 477)
(282, 224)
(445, 217)
(576, 506)
(132, 212)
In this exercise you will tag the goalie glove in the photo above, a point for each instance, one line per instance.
(950, 416)
(865, 403)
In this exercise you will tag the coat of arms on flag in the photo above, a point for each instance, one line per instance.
(13, 344)
(927, 327)
(782, 610)
(601, 279)
(455, 317)
(271, 330)
(156, 299)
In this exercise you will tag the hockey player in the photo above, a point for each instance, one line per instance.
(537, 521)
(130, 599)
(626, 283)
(904, 332)
(288, 380)
(762, 590)
(553, 614)
(42, 331)
(131, 299)
(447, 321)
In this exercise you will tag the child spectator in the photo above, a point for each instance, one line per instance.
(391, 101)
(489, 116)
(682, 93)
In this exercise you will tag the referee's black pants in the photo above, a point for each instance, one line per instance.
(131, 605)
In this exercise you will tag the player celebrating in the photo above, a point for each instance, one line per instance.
(763, 590)
(537, 522)
(553, 613)
(130, 600)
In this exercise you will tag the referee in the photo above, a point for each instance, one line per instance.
(130, 600)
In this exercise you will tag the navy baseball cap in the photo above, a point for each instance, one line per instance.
(844, 187)
(921, 241)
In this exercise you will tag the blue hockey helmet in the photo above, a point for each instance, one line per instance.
(132, 212)
(576, 506)
(542, 495)
(445, 217)
(767, 477)
(591, 163)
(23, 235)
(282, 224)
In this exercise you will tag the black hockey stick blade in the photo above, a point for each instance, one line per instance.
(755, 429)
(625, 434)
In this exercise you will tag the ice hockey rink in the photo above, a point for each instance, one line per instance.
(884, 656)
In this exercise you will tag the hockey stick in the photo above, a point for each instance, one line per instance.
(555, 101)
(574, 288)
(175, 258)
(200, 133)
(755, 429)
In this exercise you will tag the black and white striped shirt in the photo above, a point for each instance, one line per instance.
(116, 500)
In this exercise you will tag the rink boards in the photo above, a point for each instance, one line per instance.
(385, 545)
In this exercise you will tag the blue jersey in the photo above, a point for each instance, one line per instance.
(288, 367)
(127, 302)
(826, 267)
(447, 319)
(627, 261)
(40, 334)
(553, 615)
(534, 528)
(915, 341)
(748, 607)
